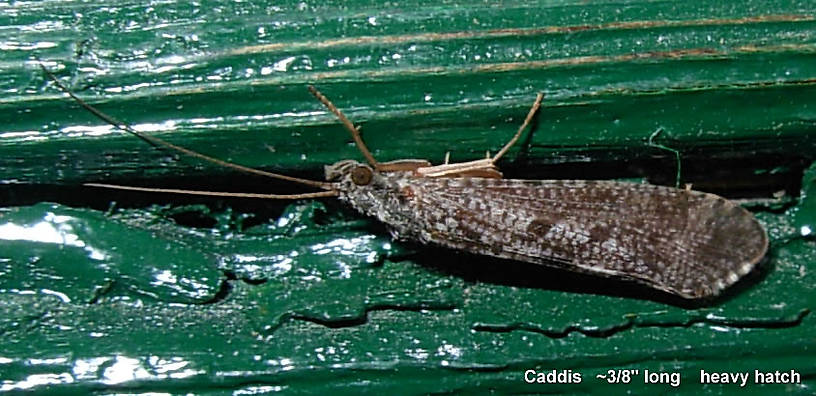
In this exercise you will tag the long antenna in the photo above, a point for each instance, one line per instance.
(162, 143)
(355, 133)
(320, 194)
(527, 120)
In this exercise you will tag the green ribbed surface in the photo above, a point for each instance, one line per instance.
(161, 294)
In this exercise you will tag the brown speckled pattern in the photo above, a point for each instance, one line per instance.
(688, 243)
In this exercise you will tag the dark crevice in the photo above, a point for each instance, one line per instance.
(765, 323)
(362, 319)
(75, 195)
(633, 323)
(102, 291)
(221, 295)
(600, 333)
(761, 175)
(254, 281)
(731, 177)
(230, 274)
(194, 219)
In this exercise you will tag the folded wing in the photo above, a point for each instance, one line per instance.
(689, 243)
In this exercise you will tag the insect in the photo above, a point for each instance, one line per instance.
(687, 243)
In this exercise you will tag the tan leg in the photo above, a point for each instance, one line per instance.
(355, 133)
(406, 165)
(484, 173)
(527, 120)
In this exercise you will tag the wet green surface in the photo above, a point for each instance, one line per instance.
(163, 294)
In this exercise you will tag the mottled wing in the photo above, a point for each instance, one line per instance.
(689, 243)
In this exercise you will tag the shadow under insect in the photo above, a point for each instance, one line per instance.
(474, 268)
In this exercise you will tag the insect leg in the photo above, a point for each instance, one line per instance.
(527, 120)
(355, 133)
(404, 165)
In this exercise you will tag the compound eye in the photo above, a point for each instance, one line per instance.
(361, 175)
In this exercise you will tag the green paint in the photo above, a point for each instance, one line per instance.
(80, 256)
(164, 294)
(805, 214)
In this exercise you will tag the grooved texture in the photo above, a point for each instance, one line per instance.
(309, 297)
